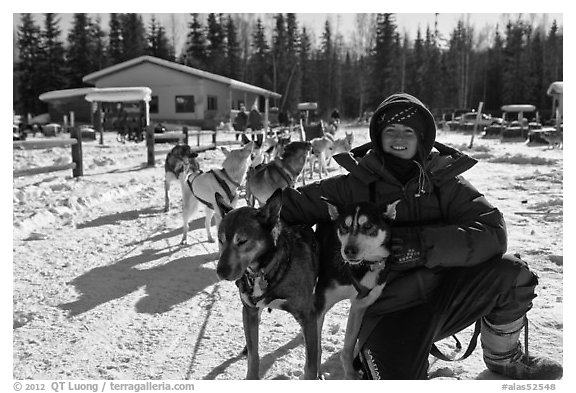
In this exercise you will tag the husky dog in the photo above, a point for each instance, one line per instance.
(201, 187)
(353, 254)
(281, 172)
(180, 161)
(554, 138)
(324, 148)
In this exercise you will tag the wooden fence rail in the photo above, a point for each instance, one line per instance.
(76, 146)
(183, 137)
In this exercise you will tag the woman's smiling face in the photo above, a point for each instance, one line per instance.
(399, 140)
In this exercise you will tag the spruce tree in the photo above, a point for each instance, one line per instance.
(432, 92)
(115, 41)
(308, 89)
(280, 73)
(350, 87)
(553, 55)
(98, 51)
(78, 50)
(133, 36)
(494, 74)
(232, 50)
(515, 66)
(158, 42)
(291, 93)
(415, 67)
(216, 37)
(381, 59)
(29, 55)
(260, 60)
(195, 54)
(53, 64)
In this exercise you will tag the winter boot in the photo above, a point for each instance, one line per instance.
(503, 353)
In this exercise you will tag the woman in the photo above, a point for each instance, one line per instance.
(448, 263)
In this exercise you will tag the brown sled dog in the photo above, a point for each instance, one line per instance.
(274, 266)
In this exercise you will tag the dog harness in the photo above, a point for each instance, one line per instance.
(222, 182)
(287, 176)
(362, 290)
(284, 173)
(264, 279)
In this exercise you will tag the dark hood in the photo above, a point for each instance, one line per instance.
(428, 134)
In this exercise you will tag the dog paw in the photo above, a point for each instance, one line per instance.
(210, 240)
(183, 242)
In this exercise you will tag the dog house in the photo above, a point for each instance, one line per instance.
(139, 97)
(516, 128)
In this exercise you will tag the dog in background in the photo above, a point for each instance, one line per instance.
(353, 253)
(201, 187)
(554, 139)
(274, 266)
(180, 161)
(282, 172)
(324, 148)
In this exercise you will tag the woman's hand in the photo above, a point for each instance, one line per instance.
(406, 249)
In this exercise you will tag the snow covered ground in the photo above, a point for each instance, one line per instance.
(102, 289)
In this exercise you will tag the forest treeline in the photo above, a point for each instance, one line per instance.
(515, 63)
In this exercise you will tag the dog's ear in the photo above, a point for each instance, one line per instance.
(389, 212)
(270, 212)
(333, 208)
(249, 146)
(223, 206)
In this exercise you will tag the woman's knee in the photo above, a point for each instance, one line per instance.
(519, 269)
(509, 271)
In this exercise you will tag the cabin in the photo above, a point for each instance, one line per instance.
(179, 94)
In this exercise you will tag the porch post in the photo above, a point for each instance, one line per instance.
(266, 108)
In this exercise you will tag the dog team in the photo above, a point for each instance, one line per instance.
(348, 255)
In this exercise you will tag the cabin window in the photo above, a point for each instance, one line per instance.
(212, 103)
(153, 104)
(184, 104)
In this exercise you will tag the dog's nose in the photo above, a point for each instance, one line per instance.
(351, 251)
(223, 272)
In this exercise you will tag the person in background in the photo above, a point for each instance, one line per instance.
(241, 121)
(255, 123)
(448, 262)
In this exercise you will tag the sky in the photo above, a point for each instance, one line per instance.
(343, 23)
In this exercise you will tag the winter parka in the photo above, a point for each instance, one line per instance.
(457, 225)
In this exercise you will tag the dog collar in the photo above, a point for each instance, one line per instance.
(362, 290)
(235, 183)
(255, 283)
(252, 286)
(284, 173)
